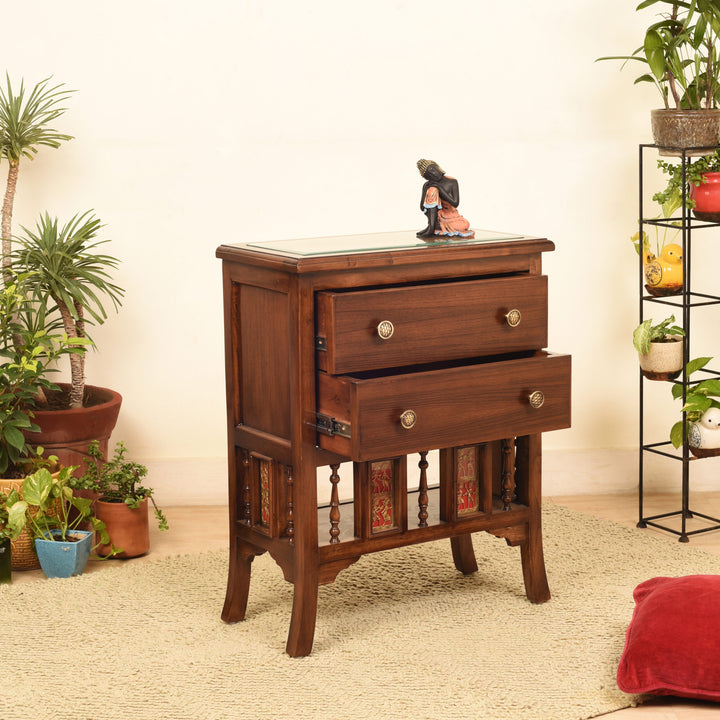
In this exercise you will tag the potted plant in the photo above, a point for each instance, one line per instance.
(679, 51)
(660, 348)
(122, 500)
(11, 525)
(663, 268)
(69, 277)
(703, 186)
(63, 548)
(702, 412)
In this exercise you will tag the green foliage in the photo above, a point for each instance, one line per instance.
(25, 357)
(699, 397)
(47, 503)
(12, 515)
(25, 118)
(680, 54)
(671, 196)
(118, 479)
(646, 332)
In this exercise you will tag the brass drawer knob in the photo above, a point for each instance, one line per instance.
(408, 419)
(385, 330)
(513, 318)
(536, 399)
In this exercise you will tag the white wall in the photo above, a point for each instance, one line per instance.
(233, 120)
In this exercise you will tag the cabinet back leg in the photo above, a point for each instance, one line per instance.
(238, 586)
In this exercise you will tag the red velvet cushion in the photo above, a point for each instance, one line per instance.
(672, 646)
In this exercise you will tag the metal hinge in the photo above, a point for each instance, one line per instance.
(330, 426)
(320, 343)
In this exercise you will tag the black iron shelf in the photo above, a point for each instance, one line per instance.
(686, 300)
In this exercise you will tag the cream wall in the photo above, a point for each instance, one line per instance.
(224, 121)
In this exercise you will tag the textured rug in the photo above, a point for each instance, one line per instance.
(400, 635)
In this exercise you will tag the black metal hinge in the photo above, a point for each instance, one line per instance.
(330, 426)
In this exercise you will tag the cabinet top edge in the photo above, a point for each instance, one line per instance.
(364, 256)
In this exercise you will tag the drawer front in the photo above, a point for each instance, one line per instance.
(452, 406)
(430, 323)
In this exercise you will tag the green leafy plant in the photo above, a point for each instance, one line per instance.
(25, 357)
(12, 515)
(118, 480)
(646, 333)
(680, 54)
(25, 126)
(47, 505)
(671, 196)
(699, 397)
(62, 264)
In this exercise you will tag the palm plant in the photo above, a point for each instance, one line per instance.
(62, 264)
(24, 126)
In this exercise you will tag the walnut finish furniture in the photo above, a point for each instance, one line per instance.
(368, 349)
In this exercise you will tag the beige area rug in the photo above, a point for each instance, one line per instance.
(400, 635)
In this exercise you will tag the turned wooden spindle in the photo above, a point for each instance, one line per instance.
(423, 490)
(334, 506)
(508, 472)
(290, 511)
(246, 504)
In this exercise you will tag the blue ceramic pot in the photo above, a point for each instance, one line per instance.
(60, 559)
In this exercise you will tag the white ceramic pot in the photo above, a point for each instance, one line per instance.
(704, 435)
(664, 360)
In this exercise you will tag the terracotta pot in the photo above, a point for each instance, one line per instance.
(674, 130)
(128, 528)
(664, 360)
(707, 197)
(67, 433)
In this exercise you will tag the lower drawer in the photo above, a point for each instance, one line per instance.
(389, 415)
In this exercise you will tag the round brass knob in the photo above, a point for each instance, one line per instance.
(513, 318)
(408, 419)
(536, 399)
(385, 330)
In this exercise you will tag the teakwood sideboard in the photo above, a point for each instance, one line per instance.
(370, 349)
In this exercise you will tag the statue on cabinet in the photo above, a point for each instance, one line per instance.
(439, 201)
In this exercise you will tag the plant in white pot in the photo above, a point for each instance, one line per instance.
(701, 409)
(122, 501)
(660, 348)
(680, 52)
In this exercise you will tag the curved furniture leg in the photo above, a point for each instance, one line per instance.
(304, 614)
(533, 564)
(463, 554)
(238, 586)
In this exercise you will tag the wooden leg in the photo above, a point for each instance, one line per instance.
(533, 565)
(463, 554)
(238, 586)
(304, 614)
(529, 478)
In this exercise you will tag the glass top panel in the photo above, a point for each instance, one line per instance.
(404, 240)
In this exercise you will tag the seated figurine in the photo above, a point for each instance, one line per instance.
(439, 201)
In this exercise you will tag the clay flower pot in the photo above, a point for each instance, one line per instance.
(664, 360)
(127, 527)
(707, 197)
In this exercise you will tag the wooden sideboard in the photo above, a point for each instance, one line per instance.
(368, 349)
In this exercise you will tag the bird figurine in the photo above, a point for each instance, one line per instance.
(705, 433)
(664, 273)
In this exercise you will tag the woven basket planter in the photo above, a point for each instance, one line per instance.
(22, 550)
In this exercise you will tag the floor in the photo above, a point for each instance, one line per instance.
(207, 526)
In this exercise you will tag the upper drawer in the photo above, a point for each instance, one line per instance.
(387, 415)
(430, 323)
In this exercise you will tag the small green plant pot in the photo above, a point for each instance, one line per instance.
(62, 559)
(5, 564)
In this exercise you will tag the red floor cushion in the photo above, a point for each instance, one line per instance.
(672, 646)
